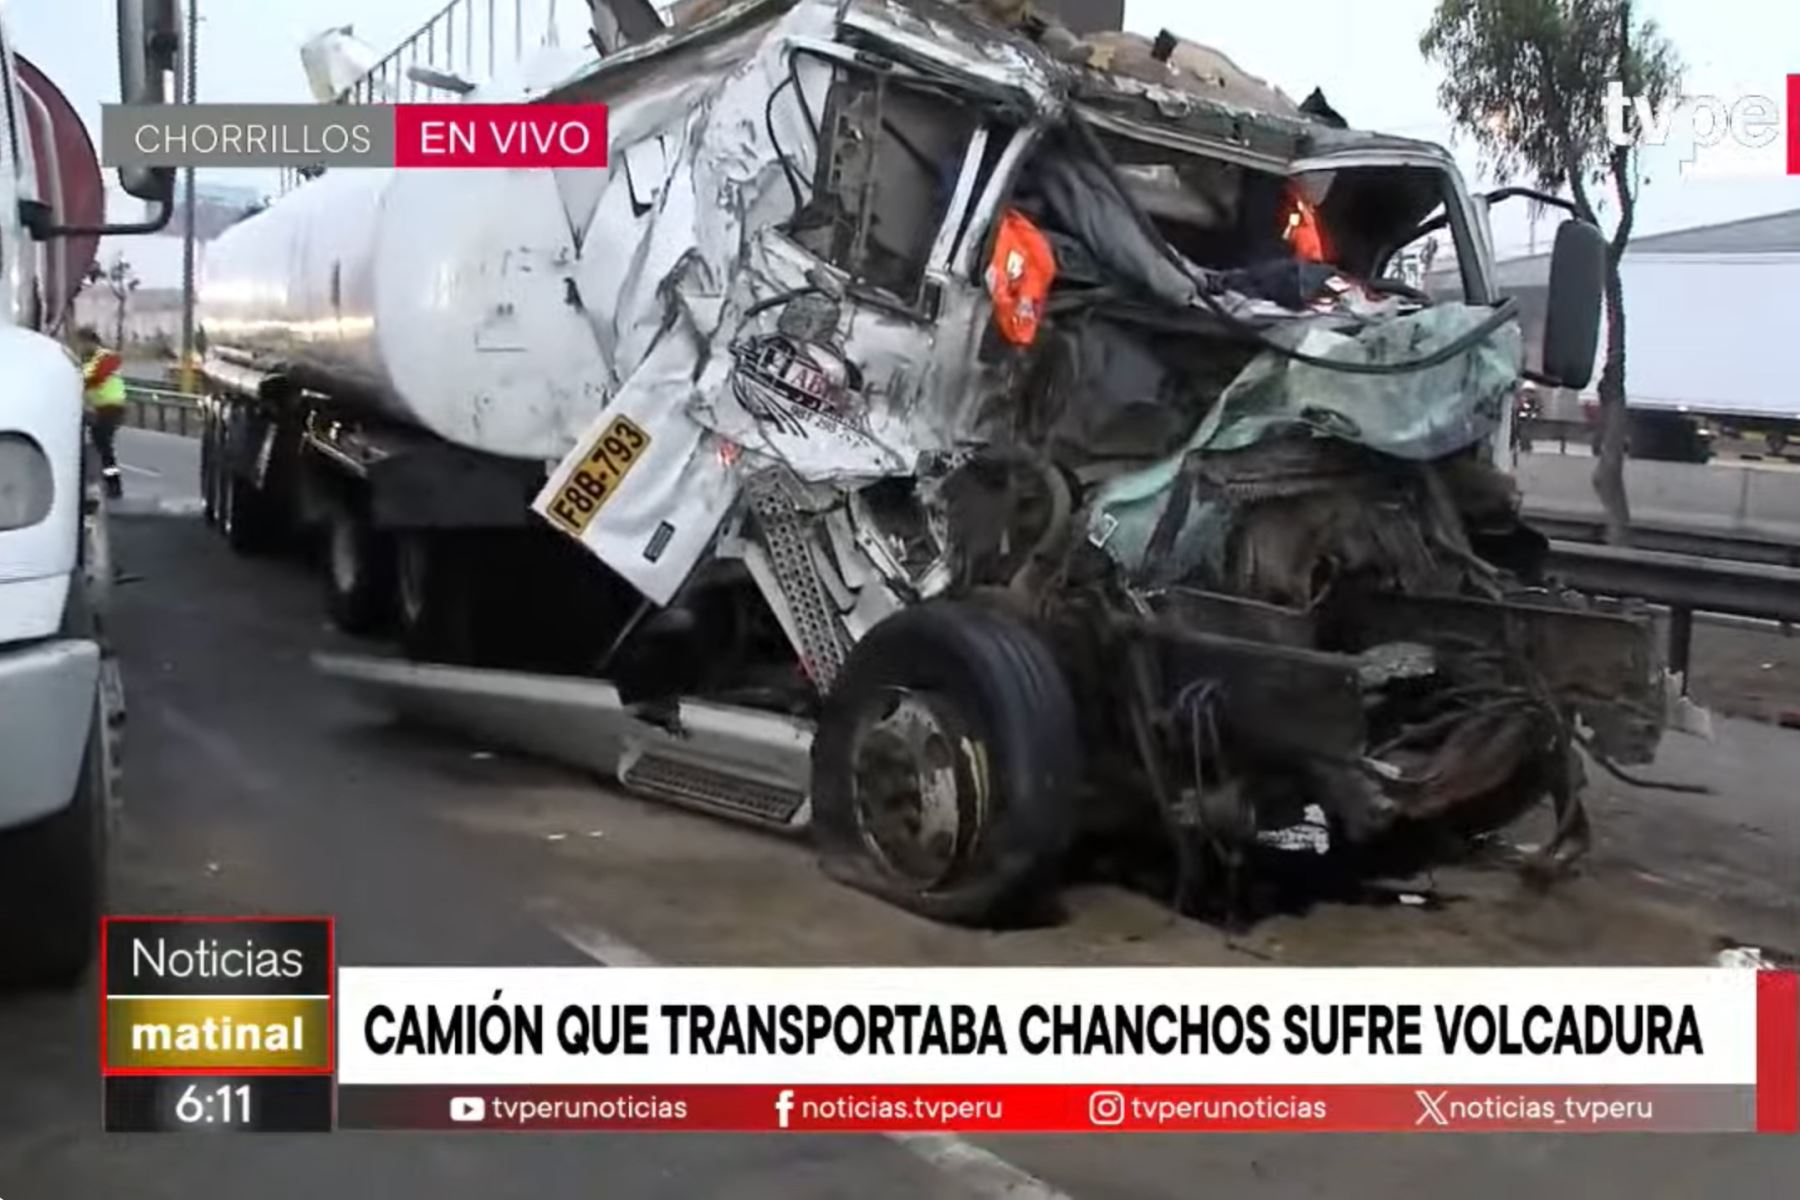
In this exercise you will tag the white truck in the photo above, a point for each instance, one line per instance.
(1709, 350)
(1023, 433)
(61, 702)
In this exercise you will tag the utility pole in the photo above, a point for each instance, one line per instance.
(187, 232)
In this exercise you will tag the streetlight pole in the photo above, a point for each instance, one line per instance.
(187, 232)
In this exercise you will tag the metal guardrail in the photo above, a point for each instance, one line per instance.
(1689, 581)
(473, 39)
(162, 409)
(1668, 538)
(1685, 583)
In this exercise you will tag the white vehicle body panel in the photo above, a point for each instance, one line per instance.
(44, 404)
(48, 693)
(48, 685)
(1713, 333)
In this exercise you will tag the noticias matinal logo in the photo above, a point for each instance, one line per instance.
(1721, 135)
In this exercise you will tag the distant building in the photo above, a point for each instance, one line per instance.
(153, 311)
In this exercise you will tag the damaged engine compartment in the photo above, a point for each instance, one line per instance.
(1071, 447)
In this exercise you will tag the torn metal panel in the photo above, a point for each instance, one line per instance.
(791, 358)
(810, 381)
(1603, 664)
(940, 36)
(1193, 496)
(662, 482)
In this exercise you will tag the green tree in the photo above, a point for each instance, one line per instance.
(1527, 79)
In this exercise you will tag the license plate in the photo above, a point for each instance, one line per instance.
(602, 469)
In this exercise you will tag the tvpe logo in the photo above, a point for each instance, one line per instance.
(784, 1105)
(1718, 136)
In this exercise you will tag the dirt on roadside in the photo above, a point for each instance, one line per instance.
(1745, 670)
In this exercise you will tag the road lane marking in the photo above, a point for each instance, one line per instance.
(125, 466)
(155, 506)
(602, 947)
(981, 1173)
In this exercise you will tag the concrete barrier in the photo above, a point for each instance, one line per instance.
(1742, 499)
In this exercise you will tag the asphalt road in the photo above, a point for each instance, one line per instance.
(254, 785)
(158, 472)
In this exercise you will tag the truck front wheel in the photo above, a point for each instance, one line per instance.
(946, 764)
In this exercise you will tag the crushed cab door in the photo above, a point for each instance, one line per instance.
(849, 348)
(841, 339)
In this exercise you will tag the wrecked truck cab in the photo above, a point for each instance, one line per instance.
(1083, 455)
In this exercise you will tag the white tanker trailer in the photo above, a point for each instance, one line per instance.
(908, 373)
(393, 358)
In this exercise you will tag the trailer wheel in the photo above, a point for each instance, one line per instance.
(358, 570)
(209, 470)
(945, 766)
(434, 592)
(242, 515)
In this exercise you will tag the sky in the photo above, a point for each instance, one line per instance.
(1363, 53)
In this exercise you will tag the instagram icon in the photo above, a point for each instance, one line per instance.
(1106, 1108)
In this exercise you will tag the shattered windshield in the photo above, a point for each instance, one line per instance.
(1290, 239)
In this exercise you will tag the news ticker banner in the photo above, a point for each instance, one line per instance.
(1068, 1050)
(217, 1023)
(335, 135)
(239, 1024)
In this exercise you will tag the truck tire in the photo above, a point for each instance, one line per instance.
(249, 513)
(357, 569)
(52, 882)
(243, 514)
(435, 597)
(209, 470)
(946, 764)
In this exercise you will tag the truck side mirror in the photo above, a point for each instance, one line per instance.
(149, 53)
(1572, 310)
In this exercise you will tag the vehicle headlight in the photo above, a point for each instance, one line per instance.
(26, 484)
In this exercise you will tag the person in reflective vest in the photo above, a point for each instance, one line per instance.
(103, 375)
